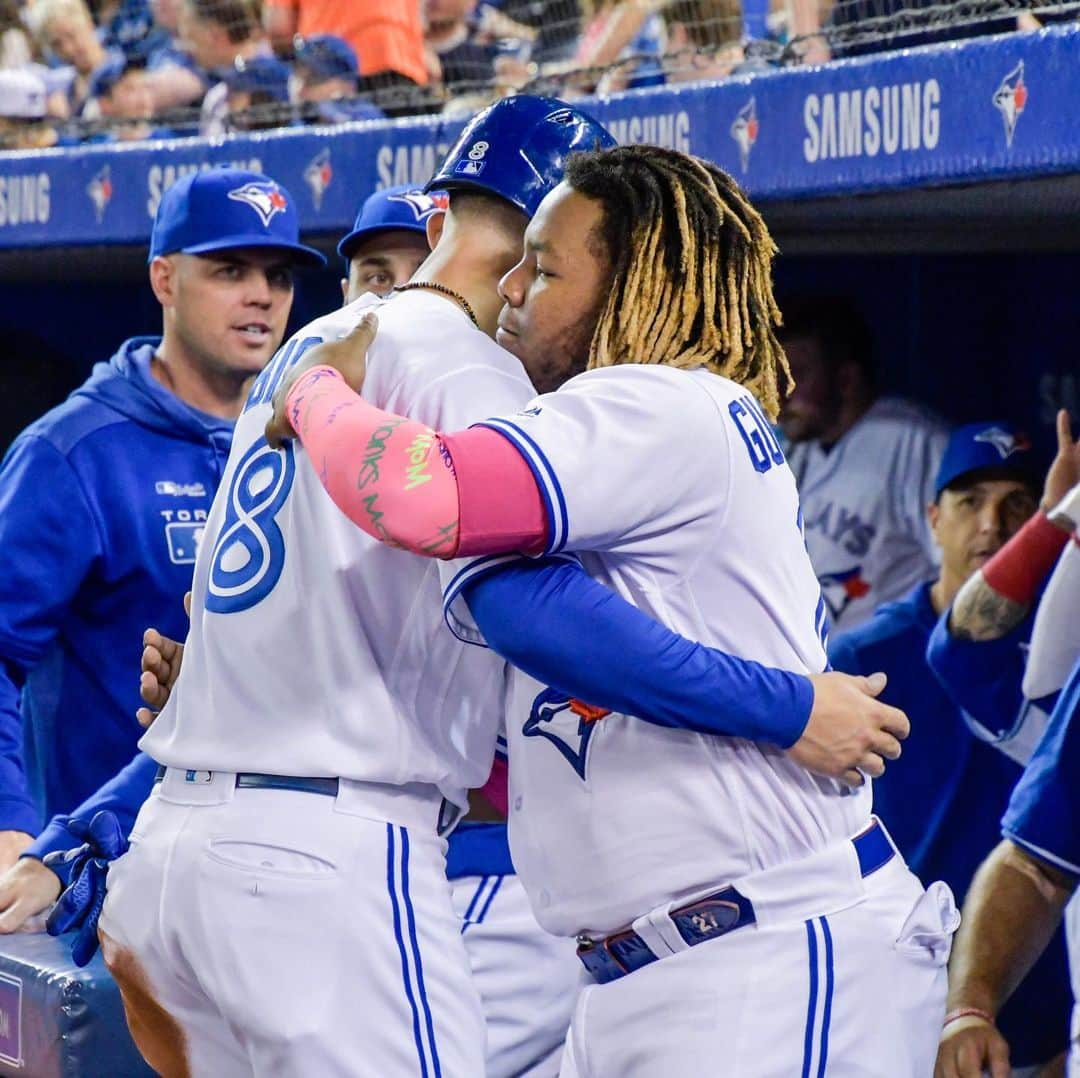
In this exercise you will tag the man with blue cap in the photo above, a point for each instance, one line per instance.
(943, 799)
(104, 500)
(389, 239)
(326, 74)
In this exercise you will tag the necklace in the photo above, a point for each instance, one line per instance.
(436, 287)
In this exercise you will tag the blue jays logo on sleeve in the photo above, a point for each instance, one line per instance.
(567, 723)
(265, 199)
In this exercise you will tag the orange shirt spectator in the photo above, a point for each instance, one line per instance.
(386, 34)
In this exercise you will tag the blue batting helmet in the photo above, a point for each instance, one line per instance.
(517, 149)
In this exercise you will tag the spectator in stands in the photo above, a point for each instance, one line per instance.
(704, 39)
(556, 23)
(325, 74)
(865, 465)
(217, 33)
(66, 29)
(124, 102)
(387, 37)
(15, 47)
(101, 499)
(943, 799)
(825, 27)
(450, 31)
(257, 94)
(23, 112)
(173, 75)
(621, 30)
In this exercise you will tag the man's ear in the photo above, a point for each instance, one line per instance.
(933, 513)
(435, 224)
(163, 280)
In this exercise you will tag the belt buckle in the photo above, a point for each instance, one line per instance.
(615, 956)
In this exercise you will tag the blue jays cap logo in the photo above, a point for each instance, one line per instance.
(265, 199)
(745, 131)
(318, 176)
(1003, 441)
(422, 205)
(1010, 99)
(100, 190)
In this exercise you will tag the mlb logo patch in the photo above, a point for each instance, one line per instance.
(469, 168)
(198, 778)
(183, 540)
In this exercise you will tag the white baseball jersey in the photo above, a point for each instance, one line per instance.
(864, 506)
(314, 649)
(674, 484)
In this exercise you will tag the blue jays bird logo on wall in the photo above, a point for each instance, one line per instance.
(841, 589)
(1003, 441)
(265, 199)
(567, 723)
(318, 176)
(745, 131)
(100, 190)
(1010, 99)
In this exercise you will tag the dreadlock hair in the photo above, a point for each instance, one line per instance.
(691, 264)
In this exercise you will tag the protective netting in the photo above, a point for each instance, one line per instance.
(104, 70)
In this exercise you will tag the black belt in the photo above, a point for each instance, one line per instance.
(708, 918)
(253, 781)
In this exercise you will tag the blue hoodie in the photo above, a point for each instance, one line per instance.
(101, 504)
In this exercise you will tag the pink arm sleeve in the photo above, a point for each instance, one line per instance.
(442, 496)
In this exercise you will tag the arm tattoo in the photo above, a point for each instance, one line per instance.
(981, 613)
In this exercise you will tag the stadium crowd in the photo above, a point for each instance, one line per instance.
(75, 71)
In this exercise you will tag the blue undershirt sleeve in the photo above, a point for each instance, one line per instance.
(122, 795)
(550, 619)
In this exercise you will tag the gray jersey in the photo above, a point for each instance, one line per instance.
(864, 508)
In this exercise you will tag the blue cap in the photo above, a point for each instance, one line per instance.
(402, 209)
(107, 75)
(326, 56)
(994, 447)
(258, 74)
(226, 208)
(517, 149)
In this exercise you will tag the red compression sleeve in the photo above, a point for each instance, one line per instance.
(438, 495)
(1018, 569)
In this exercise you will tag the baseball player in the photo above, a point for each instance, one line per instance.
(92, 537)
(944, 798)
(658, 464)
(980, 649)
(864, 464)
(189, 784)
(325, 729)
(388, 241)
(1017, 901)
